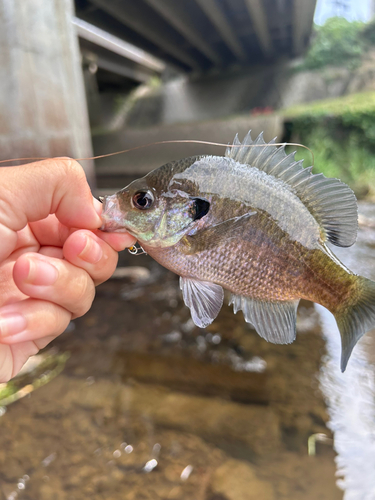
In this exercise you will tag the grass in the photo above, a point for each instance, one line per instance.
(341, 134)
(350, 104)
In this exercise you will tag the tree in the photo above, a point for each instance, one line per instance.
(338, 42)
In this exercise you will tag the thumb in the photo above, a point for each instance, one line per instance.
(32, 192)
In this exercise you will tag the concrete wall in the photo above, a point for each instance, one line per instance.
(137, 163)
(184, 109)
(215, 96)
(261, 89)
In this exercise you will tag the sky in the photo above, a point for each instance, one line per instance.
(357, 10)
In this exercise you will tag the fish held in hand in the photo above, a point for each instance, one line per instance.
(256, 223)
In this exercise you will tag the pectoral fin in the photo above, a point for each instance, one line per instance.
(203, 298)
(274, 321)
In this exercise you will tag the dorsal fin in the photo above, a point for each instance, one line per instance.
(330, 201)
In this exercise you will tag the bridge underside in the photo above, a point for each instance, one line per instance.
(205, 36)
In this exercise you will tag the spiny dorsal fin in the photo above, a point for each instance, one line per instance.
(330, 201)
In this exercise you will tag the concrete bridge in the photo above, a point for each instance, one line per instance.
(42, 90)
(230, 55)
(203, 36)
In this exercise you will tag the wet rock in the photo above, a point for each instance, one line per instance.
(88, 413)
(117, 475)
(302, 477)
(86, 471)
(133, 273)
(101, 483)
(73, 481)
(221, 421)
(236, 480)
(192, 375)
(254, 426)
(52, 491)
(77, 458)
(172, 473)
(175, 493)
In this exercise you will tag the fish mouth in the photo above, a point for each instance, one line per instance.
(113, 218)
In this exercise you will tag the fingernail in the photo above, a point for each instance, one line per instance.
(98, 206)
(11, 324)
(41, 273)
(91, 252)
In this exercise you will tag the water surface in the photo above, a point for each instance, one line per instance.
(351, 396)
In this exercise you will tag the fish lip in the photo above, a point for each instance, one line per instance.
(113, 218)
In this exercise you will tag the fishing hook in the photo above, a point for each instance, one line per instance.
(136, 250)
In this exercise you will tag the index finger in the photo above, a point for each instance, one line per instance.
(32, 192)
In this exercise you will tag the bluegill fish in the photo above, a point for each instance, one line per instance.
(256, 223)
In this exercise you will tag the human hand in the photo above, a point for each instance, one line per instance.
(51, 255)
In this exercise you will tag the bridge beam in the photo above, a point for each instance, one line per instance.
(259, 20)
(215, 15)
(182, 20)
(303, 15)
(109, 42)
(131, 14)
(121, 69)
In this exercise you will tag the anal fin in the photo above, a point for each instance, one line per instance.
(274, 321)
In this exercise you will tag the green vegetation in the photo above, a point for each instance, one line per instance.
(368, 33)
(352, 105)
(341, 134)
(50, 366)
(338, 42)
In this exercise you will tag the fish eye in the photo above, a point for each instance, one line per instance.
(143, 200)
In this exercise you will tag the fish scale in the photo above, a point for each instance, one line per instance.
(255, 223)
(261, 277)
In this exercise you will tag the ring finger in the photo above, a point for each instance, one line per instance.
(54, 280)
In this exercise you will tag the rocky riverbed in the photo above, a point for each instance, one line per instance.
(151, 407)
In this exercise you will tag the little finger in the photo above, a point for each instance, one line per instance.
(32, 319)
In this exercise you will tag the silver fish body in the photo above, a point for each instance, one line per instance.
(256, 223)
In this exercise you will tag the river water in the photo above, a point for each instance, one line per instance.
(351, 395)
(148, 406)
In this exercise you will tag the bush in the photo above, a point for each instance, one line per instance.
(338, 42)
(340, 154)
(368, 33)
(341, 134)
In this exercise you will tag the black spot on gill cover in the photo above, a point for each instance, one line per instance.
(202, 207)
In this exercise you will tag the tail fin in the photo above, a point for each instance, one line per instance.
(357, 318)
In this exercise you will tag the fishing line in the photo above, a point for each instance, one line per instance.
(176, 141)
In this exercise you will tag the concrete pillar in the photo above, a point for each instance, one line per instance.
(43, 108)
